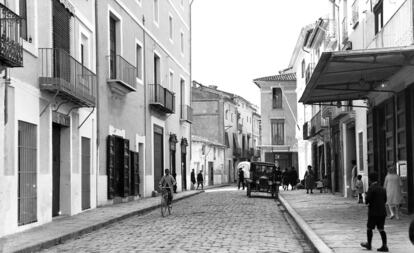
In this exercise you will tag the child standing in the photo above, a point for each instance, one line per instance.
(375, 199)
(359, 186)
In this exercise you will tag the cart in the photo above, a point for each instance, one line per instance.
(264, 177)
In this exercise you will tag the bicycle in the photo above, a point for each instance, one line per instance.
(164, 201)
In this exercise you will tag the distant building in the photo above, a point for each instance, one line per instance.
(278, 119)
(227, 119)
(208, 156)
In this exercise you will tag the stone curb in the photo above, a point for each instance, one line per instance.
(60, 239)
(315, 240)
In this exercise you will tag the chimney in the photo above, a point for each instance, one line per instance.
(214, 87)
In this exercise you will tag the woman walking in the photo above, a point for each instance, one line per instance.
(392, 185)
(309, 180)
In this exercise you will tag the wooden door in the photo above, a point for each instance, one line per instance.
(86, 173)
(55, 170)
(111, 166)
(211, 173)
(158, 155)
(134, 188)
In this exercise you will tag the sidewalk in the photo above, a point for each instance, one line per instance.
(336, 224)
(65, 228)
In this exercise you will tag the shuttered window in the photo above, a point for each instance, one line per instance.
(23, 22)
(277, 97)
(278, 131)
(61, 26)
(27, 168)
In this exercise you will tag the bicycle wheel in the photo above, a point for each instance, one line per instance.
(164, 206)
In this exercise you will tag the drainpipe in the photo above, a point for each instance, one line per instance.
(144, 79)
(97, 46)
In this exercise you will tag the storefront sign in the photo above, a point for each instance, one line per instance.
(402, 168)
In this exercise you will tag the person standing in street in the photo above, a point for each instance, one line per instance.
(392, 185)
(193, 179)
(241, 178)
(359, 186)
(293, 178)
(375, 199)
(200, 180)
(354, 174)
(309, 180)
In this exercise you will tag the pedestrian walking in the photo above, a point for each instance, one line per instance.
(354, 174)
(241, 178)
(193, 179)
(375, 199)
(200, 180)
(285, 179)
(309, 180)
(293, 178)
(411, 232)
(359, 186)
(392, 185)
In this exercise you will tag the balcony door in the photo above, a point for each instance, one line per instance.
(61, 41)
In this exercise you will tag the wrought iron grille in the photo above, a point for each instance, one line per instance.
(11, 47)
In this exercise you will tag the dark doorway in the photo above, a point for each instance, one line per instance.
(118, 163)
(134, 173)
(56, 170)
(184, 171)
(210, 173)
(158, 155)
(86, 173)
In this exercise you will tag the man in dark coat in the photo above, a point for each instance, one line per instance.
(376, 198)
(193, 179)
(200, 180)
(241, 178)
(293, 177)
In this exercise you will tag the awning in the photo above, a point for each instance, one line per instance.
(353, 74)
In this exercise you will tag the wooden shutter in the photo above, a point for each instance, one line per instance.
(370, 140)
(134, 173)
(61, 26)
(126, 169)
(111, 166)
(389, 135)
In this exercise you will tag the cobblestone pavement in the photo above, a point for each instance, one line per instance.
(220, 220)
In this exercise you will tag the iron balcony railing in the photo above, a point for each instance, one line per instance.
(317, 124)
(237, 152)
(161, 98)
(186, 113)
(62, 74)
(11, 47)
(355, 13)
(121, 70)
(344, 30)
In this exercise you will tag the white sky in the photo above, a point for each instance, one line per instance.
(236, 41)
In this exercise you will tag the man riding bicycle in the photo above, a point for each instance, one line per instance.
(168, 182)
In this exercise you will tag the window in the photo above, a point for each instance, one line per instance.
(139, 61)
(156, 11)
(182, 97)
(171, 27)
(23, 22)
(278, 131)
(84, 51)
(277, 97)
(182, 42)
(379, 19)
(112, 46)
(227, 114)
(157, 72)
(303, 68)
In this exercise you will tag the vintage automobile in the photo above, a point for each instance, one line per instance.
(263, 177)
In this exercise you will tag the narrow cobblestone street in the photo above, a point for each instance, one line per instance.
(220, 220)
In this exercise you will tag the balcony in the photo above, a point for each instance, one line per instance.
(122, 75)
(318, 124)
(11, 47)
(186, 113)
(309, 71)
(67, 78)
(161, 99)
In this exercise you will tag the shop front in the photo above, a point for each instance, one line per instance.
(382, 82)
